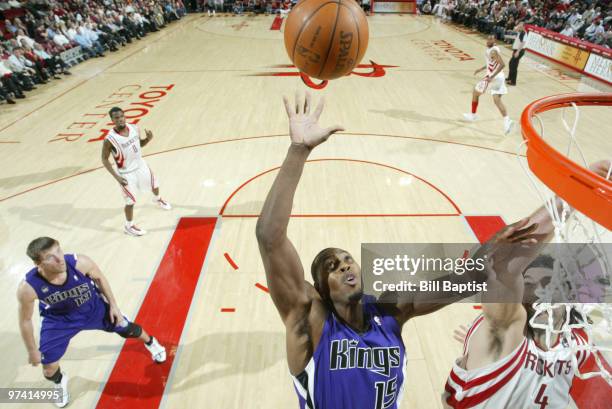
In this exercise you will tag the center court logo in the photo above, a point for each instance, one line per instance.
(136, 100)
(372, 70)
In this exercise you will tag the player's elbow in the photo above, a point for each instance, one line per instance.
(267, 235)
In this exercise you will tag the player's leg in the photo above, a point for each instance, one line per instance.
(147, 178)
(498, 89)
(508, 123)
(128, 329)
(54, 340)
(53, 373)
(475, 98)
(128, 210)
(128, 192)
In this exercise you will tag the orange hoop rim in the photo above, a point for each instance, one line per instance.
(584, 190)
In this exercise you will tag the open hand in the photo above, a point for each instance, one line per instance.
(303, 125)
(149, 134)
(508, 249)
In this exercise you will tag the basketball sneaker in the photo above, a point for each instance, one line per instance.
(470, 117)
(163, 204)
(64, 396)
(508, 125)
(133, 230)
(158, 352)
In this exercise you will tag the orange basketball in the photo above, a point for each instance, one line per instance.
(326, 39)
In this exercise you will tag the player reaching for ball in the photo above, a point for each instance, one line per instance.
(507, 361)
(495, 81)
(344, 349)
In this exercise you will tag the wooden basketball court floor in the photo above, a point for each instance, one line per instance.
(406, 170)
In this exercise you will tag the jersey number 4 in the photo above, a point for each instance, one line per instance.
(386, 393)
(540, 398)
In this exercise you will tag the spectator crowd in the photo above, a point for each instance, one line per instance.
(589, 20)
(41, 39)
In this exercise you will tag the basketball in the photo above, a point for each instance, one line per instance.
(326, 39)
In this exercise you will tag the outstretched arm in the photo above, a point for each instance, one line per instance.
(421, 303)
(512, 250)
(506, 319)
(284, 271)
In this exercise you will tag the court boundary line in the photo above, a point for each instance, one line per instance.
(416, 138)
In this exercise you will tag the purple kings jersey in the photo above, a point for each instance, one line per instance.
(351, 370)
(75, 300)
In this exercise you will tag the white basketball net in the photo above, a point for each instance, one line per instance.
(573, 271)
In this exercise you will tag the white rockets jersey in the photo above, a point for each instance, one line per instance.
(491, 63)
(528, 378)
(126, 149)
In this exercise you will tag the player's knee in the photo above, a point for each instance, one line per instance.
(131, 331)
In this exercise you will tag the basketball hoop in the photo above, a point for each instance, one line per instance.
(589, 194)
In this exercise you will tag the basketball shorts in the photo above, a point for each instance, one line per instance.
(56, 332)
(497, 85)
(141, 179)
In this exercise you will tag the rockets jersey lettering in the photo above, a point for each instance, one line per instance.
(355, 370)
(528, 378)
(76, 298)
(492, 64)
(126, 149)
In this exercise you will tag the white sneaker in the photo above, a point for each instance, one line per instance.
(508, 125)
(469, 117)
(158, 352)
(63, 392)
(163, 204)
(133, 230)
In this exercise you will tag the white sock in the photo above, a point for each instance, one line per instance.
(157, 197)
(129, 223)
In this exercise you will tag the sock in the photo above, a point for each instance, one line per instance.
(129, 223)
(474, 106)
(506, 119)
(150, 341)
(56, 377)
(157, 197)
